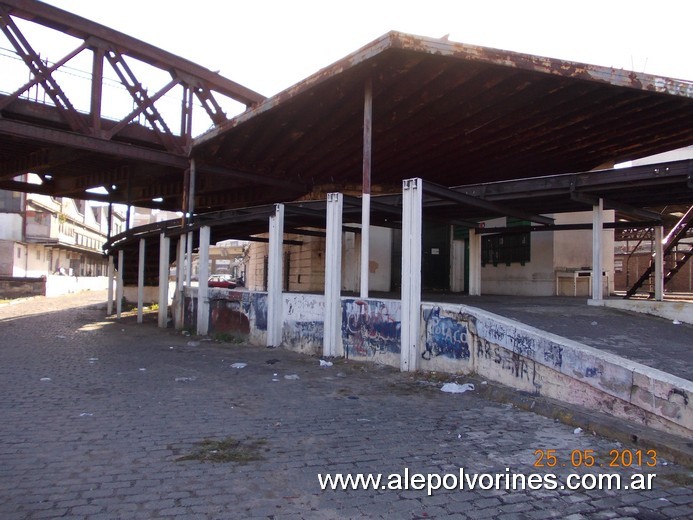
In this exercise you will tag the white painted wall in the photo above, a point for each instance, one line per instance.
(351, 268)
(535, 278)
(380, 262)
(10, 226)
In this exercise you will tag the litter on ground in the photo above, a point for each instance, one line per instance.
(455, 388)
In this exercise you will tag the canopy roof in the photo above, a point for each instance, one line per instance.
(452, 114)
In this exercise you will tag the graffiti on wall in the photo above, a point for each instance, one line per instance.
(371, 327)
(303, 321)
(228, 316)
(513, 362)
(259, 306)
(445, 336)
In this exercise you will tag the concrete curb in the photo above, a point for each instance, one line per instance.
(670, 447)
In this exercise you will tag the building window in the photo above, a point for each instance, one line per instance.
(19, 253)
(10, 201)
(507, 248)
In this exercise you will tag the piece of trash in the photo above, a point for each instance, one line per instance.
(45, 379)
(239, 365)
(93, 359)
(577, 431)
(676, 322)
(341, 374)
(184, 379)
(484, 382)
(185, 333)
(363, 420)
(143, 369)
(193, 343)
(454, 388)
(459, 435)
(594, 323)
(272, 361)
(292, 377)
(324, 363)
(86, 414)
(170, 348)
(275, 379)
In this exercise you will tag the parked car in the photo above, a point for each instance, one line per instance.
(221, 280)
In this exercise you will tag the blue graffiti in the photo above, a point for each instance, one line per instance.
(260, 308)
(445, 336)
(368, 328)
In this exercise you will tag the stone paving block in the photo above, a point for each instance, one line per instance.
(121, 462)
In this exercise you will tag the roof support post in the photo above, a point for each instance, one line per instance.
(412, 198)
(366, 185)
(274, 276)
(190, 209)
(179, 299)
(202, 288)
(140, 282)
(119, 284)
(332, 344)
(111, 274)
(164, 249)
(597, 232)
(659, 263)
(474, 263)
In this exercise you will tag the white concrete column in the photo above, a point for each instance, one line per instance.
(140, 282)
(164, 248)
(332, 344)
(275, 264)
(119, 284)
(111, 274)
(366, 186)
(412, 195)
(474, 263)
(597, 232)
(202, 288)
(179, 300)
(189, 259)
(659, 263)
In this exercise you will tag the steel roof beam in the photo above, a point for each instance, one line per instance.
(591, 199)
(442, 192)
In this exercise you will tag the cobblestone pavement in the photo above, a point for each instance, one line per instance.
(96, 413)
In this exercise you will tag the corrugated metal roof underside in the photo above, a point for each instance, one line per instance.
(454, 115)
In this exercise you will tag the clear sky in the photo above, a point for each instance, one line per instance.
(268, 45)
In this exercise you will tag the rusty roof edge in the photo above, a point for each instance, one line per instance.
(350, 61)
(545, 65)
(468, 52)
